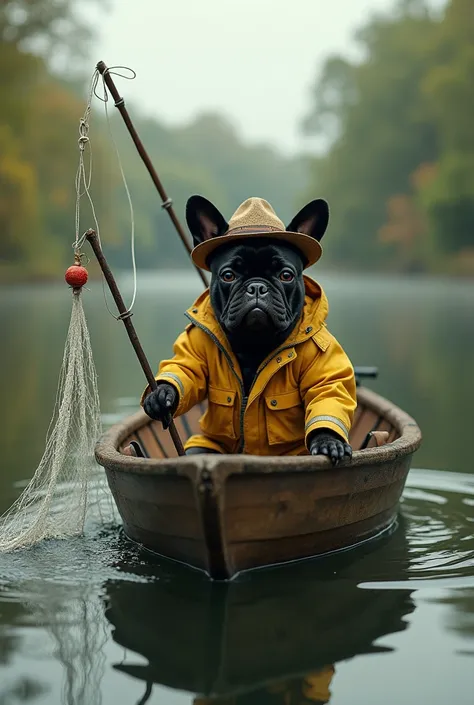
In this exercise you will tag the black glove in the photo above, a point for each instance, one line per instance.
(162, 403)
(326, 442)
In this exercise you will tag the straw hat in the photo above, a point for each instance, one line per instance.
(255, 217)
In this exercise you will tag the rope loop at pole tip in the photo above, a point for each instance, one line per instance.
(78, 243)
(112, 71)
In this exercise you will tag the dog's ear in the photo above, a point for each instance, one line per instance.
(204, 220)
(312, 220)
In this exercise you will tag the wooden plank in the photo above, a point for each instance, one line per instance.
(314, 514)
(245, 555)
(164, 490)
(357, 414)
(394, 434)
(192, 419)
(385, 425)
(166, 520)
(127, 441)
(149, 443)
(248, 489)
(187, 550)
(368, 421)
(181, 428)
(164, 439)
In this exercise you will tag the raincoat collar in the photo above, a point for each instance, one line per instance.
(312, 319)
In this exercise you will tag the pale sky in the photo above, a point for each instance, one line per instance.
(253, 60)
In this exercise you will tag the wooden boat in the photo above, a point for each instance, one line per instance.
(236, 642)
(227, 513)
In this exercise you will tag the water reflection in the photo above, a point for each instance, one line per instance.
(275, 636)
(278, 637)
(73, 620)
(23, 690)
(20, 689)
(51, 610)
(461, 617)
(122, 625)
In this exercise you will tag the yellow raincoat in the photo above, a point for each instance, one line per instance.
(305, 384)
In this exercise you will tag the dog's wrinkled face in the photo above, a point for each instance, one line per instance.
(257, 289)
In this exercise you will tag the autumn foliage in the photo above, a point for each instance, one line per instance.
(400, 169)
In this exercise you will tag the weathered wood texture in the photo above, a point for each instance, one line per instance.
(224, 514)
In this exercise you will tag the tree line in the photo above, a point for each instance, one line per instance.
(398, 172)
(39, 121)
(400, 168)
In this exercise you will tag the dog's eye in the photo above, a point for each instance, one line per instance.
(286, 276)
(228, 275)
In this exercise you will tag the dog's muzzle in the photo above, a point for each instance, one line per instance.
(256, 297)
(257, 306)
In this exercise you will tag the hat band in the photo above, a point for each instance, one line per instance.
(257, 229)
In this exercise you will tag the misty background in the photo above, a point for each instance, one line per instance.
(367, 103)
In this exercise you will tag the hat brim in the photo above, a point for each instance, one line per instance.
(309, 247)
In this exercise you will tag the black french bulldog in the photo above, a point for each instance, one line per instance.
(257, 294)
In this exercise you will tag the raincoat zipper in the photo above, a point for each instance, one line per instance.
(245, 399)
(259, 370)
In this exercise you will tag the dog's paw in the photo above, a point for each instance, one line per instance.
(324, 442)
(162, 403)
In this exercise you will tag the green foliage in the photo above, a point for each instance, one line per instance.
(18, 200)
(39, 118)
(400, 170)
(45, 26)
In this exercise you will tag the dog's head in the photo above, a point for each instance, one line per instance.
(257, 288)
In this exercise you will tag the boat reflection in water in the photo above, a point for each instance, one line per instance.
(274, 636)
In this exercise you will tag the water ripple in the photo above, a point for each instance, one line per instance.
(433, 545)
(437, 517)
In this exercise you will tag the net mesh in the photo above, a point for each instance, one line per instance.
(67, 481)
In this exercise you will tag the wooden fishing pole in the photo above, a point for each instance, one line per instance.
(125, 316)
(167, 203)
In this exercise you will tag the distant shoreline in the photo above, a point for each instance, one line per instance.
(14, 278)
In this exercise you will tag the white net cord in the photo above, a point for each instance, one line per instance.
(54, 503)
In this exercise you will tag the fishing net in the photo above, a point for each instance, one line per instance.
(54, 503)
(67, 482)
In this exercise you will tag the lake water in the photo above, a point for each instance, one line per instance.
(89, 621)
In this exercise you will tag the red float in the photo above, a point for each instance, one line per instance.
(76, 276)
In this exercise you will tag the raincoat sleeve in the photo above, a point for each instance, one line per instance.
(186, 371)
(328, 388)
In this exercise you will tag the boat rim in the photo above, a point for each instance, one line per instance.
(108, 455)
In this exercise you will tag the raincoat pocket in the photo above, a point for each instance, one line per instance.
(219, 417)
(284, 415)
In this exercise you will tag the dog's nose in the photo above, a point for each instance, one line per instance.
(257, 289)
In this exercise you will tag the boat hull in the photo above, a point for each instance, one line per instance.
(226, 514)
